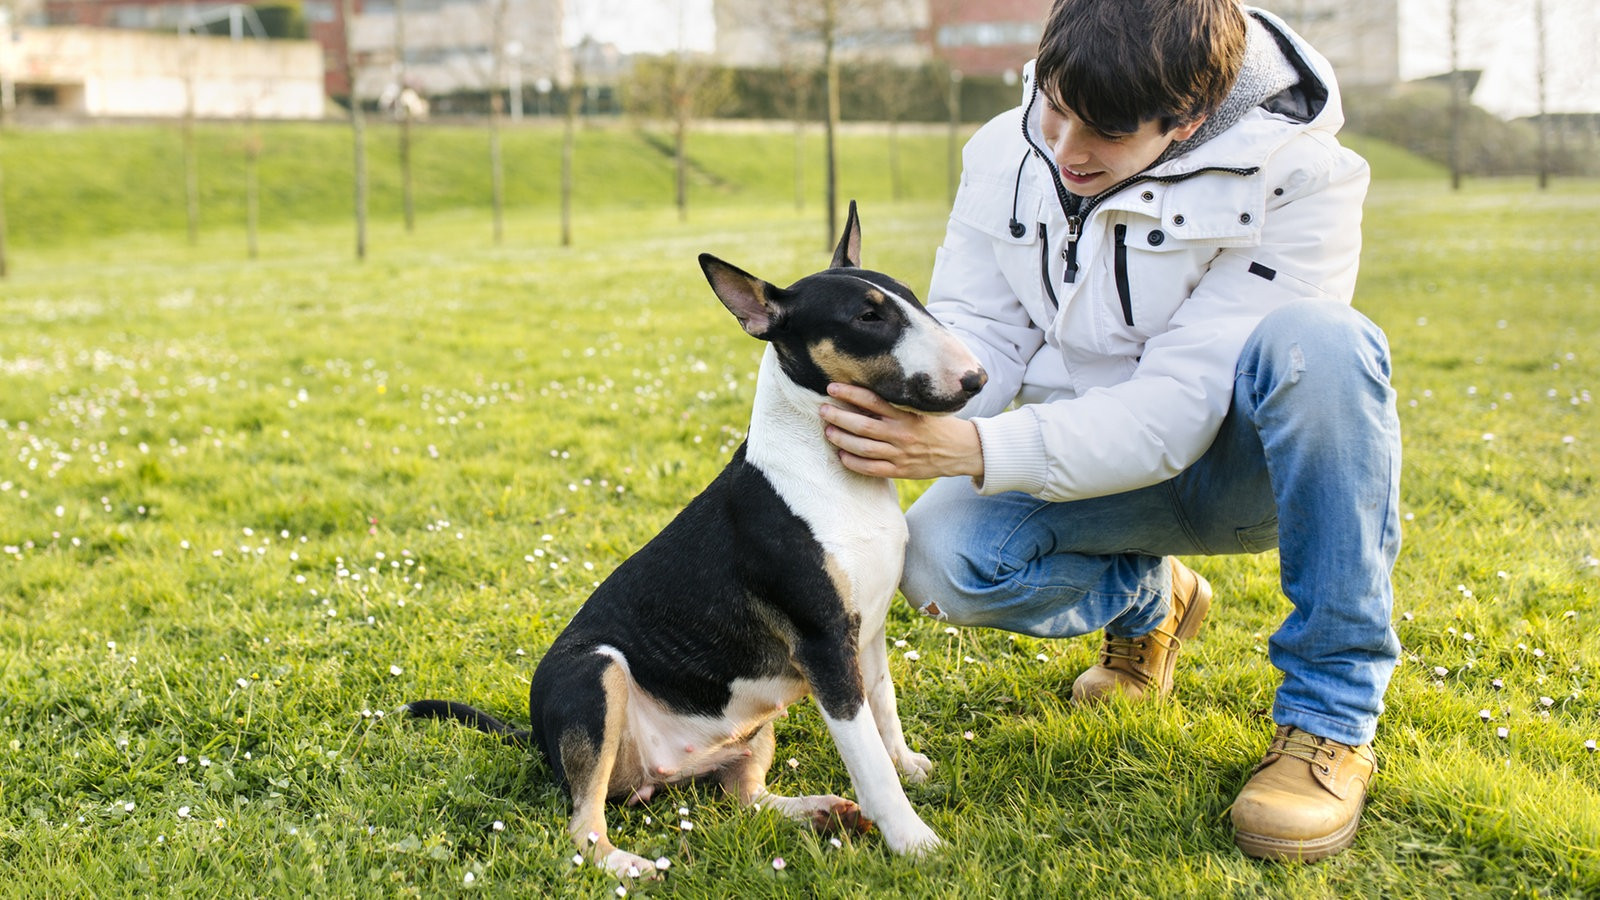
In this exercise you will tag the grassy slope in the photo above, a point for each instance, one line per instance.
(203, 563)
(63, 187)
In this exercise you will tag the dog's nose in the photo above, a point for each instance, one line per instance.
(973, 381)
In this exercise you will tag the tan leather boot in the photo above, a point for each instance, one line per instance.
(1304, 800)
(1141, 667)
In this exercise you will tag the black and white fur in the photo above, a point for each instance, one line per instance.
(772, 584)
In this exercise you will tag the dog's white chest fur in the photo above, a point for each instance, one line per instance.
(856, 519)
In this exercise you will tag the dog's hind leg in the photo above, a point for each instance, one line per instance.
(746, 778)
(588, 758)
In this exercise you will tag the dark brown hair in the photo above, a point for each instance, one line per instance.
(1120, 63)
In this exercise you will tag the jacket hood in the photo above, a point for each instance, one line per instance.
(1311, 104)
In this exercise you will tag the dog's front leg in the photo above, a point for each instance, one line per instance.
(746, 778)
(880, 696)
(877, 787)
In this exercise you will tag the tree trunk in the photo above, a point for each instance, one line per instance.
(358, 131)
(496, 109)
(191, 166)
(252, 189)
(1456, 99)
(1542, 65)
(830, 68)
(496, 167)
(405, 117)
(569, 139)
(680, 140)
(4, 270)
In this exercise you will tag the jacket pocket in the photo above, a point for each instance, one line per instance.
(1120, 266)
(1044, 267)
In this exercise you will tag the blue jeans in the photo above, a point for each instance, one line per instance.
(1308, 460)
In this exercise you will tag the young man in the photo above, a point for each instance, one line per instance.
(1154, 258)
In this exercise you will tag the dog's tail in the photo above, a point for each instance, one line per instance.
(468, 715)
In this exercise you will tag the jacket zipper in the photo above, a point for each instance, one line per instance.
(1069, 253)
(1120, 267)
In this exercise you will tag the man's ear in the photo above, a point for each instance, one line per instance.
(1186, 130)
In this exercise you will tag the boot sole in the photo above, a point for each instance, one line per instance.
(1263, 846)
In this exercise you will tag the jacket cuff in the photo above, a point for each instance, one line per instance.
(1013, 453)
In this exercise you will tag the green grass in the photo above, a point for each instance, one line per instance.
(247, 508)
(65, 187)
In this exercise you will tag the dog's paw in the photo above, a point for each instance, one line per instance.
(917, 839)
(623, 864)
(914, 766)
(840, 816)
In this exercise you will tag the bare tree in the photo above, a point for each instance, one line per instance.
(892, 86)
(827, 25)
(4, 270)
(252, 188)
(497, 56)
(7, 100)
(358, 128)
(191, 155)
(799, 82)
(1542, 69)
(1457, 95)
(828, 28)
(678, 89)
(569, 135)
(404, 109)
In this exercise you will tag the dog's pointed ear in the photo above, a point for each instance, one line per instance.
(848, 255)
(749, 298)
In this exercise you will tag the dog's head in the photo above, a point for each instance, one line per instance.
(854, 326)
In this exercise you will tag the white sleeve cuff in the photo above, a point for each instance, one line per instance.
(1013, 453)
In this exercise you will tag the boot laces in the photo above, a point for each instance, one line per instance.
(1306, 747)
(1137, 649)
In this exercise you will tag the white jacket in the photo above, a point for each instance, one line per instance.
(1122, 376)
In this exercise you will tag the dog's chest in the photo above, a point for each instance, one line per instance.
(862, 532)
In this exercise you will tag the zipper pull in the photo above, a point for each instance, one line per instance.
(1069, 253)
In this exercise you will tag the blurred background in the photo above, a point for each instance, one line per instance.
(1477, 87)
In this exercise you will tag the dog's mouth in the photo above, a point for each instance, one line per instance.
(921, 396)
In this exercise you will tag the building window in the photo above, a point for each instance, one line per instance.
(989, 34)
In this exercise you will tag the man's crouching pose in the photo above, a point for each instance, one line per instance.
(1153, 257)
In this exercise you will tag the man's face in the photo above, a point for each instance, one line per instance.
(1091, 161)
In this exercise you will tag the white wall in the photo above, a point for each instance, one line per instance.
(107, 72)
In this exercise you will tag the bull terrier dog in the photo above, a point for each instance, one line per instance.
(772, 584)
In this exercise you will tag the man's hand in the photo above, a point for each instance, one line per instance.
(878, 439)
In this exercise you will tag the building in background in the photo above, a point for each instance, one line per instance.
(449, 47)
(756, 34)
(323, 20)
(111, 73)
(1361, 38)
(996, 37)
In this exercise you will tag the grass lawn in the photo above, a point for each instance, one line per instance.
(248, 509)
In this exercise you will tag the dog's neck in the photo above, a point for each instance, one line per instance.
(786, 439)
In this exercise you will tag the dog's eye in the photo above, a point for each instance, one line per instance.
(869, 315)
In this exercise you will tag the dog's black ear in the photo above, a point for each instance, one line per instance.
(749, 298)
(848, 255)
